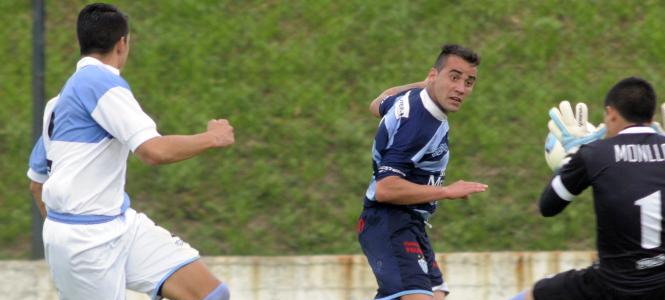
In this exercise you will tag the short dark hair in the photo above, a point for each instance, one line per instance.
(634, 98)
(453, 49)
(99, 27)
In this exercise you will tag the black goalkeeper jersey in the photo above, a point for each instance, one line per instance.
(627, 174)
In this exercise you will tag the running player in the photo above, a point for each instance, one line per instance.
(627, 173)
(410, 155)
(95, 244)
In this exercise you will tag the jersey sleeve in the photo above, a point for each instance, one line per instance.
(397, 159)
(38, 164)
(572, 179)
(120, 114)
(386, 104)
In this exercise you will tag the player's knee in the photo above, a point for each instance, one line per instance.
(220, 293)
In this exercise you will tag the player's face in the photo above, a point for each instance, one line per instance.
(450, 86)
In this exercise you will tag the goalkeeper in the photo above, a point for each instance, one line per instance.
(627, 173)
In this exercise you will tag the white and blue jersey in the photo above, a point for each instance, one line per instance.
(88, 132)
(412, 143)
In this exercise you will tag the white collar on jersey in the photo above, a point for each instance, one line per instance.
(637, 129)
(88, 60)
(432, 107)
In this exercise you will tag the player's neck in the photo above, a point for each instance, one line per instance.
(107, 59)
(428, 89)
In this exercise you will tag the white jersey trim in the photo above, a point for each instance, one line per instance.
(37, 177)
(561, 190)
(443, 287)
(88, 60)
(638, 129)
(431, 107)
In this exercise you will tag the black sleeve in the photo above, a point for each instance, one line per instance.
(550, 203)
(564, 186)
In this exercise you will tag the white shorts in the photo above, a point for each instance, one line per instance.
(101, 261)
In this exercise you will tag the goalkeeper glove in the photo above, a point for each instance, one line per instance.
(573, 130)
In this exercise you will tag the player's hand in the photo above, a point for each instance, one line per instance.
(221, 132)
(462, 189)
(573, 130)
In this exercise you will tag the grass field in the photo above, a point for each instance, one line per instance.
(295, 79)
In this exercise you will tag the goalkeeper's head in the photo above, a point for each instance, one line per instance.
(632, 101)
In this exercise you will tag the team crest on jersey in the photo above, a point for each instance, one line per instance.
(402, 107)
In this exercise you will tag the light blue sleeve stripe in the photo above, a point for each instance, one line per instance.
(153, 295)
(408, 292)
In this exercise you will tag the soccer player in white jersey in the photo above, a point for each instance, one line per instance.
(95, 244)
(410, 155)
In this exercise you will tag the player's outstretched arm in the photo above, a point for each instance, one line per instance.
(173, 148)
(395, 190)
(374, 105)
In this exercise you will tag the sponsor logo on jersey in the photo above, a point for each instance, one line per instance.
(442, 148)
(435, 180)
(384, 169)
(402, 107)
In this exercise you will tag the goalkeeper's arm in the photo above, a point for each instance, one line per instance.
(566, 184)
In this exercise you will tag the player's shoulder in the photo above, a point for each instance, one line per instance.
(588, 150)
(97, 77)
(404, 104)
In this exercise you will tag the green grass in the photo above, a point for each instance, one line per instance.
(295, 79)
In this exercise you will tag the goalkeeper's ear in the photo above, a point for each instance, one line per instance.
(656, 125)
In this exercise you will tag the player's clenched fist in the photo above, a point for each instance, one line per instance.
(462, 189)
(222, 132)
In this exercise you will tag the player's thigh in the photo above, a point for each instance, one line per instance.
(394, 254)
(155, 256)
(434, 272)
(82, 267)
(191, 282)
(571, 285)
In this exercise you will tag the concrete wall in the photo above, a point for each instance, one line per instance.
(478, 276)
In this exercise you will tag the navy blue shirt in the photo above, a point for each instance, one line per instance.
(411, 143)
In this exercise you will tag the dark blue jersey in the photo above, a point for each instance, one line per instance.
(412, 143)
